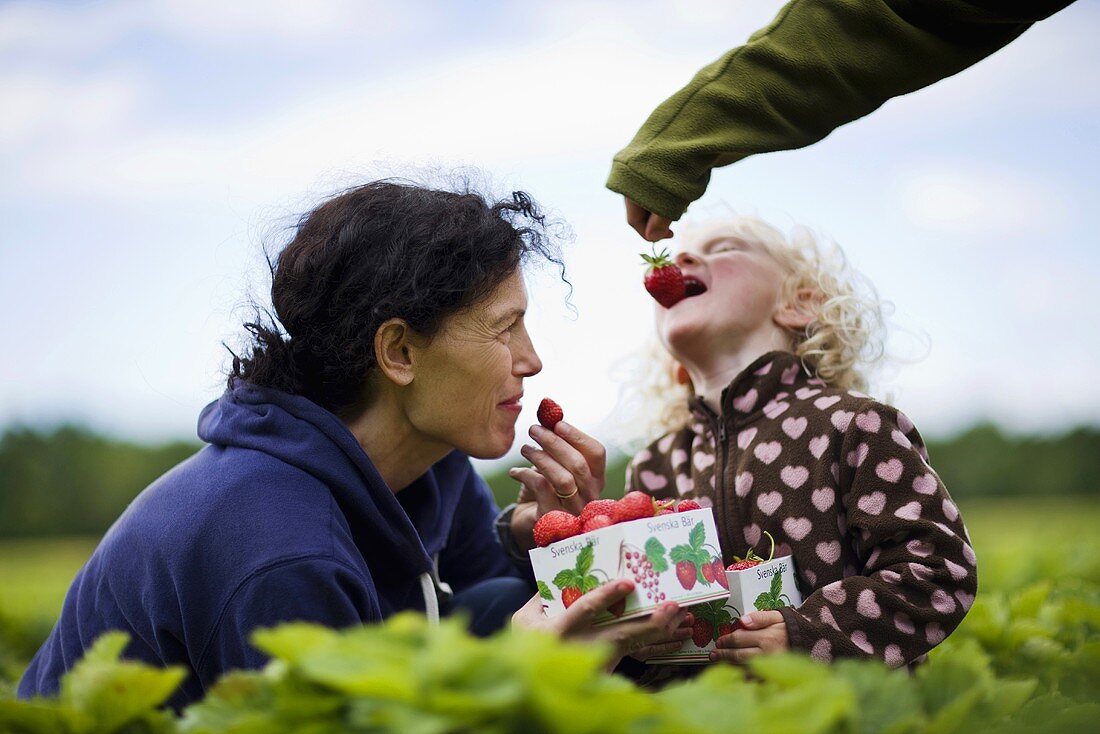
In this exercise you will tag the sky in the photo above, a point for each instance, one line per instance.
(151, 150)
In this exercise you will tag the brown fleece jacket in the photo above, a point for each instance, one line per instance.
(843, 484)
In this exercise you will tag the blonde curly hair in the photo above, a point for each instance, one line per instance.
(843, 341)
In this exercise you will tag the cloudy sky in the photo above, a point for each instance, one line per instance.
(149, 150)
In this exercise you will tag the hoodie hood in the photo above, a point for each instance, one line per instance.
(304, 435)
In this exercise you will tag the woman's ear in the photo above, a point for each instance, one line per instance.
(391, 351)
(801, 310)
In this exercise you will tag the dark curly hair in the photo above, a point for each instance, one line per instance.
(385, 249)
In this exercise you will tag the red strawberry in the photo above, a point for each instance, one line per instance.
(719, 571)
(742, 565)
(751, 559)
(596, 507)
(685, 505)
(708, 572)
(702, 632)
(596, 522)
(663, 280)
(556, 525)
(569, 595)
(665, 511)
(549, 413)
(725, 629)
(633, 506)
(686, 572)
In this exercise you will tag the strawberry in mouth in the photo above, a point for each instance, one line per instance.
(693, 286)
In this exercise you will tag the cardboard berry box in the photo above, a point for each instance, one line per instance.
(769, 585)
(669, 557)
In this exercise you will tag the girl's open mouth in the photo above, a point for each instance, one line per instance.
(693, 287)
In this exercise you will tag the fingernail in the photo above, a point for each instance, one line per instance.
(563, 429)
(714, 657)
(746, 620)
(690, 618)
(625, 585)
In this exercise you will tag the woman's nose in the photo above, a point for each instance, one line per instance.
(526, 362)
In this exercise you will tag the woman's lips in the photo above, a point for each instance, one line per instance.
(512, 403)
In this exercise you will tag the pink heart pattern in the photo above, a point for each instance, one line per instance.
(767, 452)
(872, 504)
(823, 498)
(653, 481)
(889, 470)
(818, 445)
(769, 502)
(925, 484)
(794, 476)
(826, 401)
(867, 605)
(842, 419)
(742, 483)
(745, 437)
(869, 422)
(805, 393)
(746, 402)
(828, 552)
(856, 458)
(797, 528)
(795, 427)
(775, 408)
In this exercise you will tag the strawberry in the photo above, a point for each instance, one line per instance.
(596, 507)
(686, 572)
(663, 280)
(596, 522)
(569, 595)
(725, 629)
(686, 505)
(708, 572)
(751, 559)
(702, 632)
(719, 571)
(549, 413)
(633, 506)
(554, 526)
(665, 511)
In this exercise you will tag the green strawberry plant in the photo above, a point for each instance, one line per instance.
(773, 598)
(545, 592)
(577, 581)
(655, 553)
(693, 552)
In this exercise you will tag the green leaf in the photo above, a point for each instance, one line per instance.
(566, 577)
(697, 536)
(655, 552)
(116, 692)
(764, 602)
(588, 583)
(777, 587)
(584, 560)
(545, 592)
(680, 553)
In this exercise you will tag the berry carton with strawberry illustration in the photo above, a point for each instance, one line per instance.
(669, 554)
(754, 585)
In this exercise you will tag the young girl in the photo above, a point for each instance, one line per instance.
(767, 426)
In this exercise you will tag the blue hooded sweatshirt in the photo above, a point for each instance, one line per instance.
(282, 517)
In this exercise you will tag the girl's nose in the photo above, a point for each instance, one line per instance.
(685, 258)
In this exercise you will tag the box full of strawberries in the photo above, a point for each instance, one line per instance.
(668, 548)
(754, 584)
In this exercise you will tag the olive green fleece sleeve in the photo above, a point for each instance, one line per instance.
(818, 65)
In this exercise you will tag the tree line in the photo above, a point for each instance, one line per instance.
(71, 480)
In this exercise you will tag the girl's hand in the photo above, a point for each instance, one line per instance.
(759, 633)
(568, 473)
(662, 632)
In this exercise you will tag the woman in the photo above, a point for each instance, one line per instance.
(336, 486)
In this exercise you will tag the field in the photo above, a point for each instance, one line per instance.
(34, 574)
(1027, 658)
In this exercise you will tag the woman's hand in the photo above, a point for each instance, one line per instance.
(661, 633)
(758, 633)
(568, 473)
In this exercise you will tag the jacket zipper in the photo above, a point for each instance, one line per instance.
(718, 428)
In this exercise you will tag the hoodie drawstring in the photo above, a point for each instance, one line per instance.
(431, 603)
(431, 586)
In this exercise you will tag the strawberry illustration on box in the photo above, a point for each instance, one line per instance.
(755, 584)
(669, 555)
